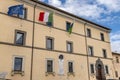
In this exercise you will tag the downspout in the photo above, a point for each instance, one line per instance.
(86, 50)
(31, 72)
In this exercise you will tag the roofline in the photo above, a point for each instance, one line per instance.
(116, 53)
(44, 4)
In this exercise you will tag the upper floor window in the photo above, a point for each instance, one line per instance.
(24, 16)
(92, 68)
(106, 69)
(49, 65)
(102, 36)
(116, 73)
(18, 63)
(70, 67)
(104, 53)
(69, 47)
(88, 32)
(117, 60)
(90, 50)
(68, 24)
(20, 37)
(49, 43)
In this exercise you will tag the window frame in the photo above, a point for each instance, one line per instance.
(24, 37)
(23, 62)
(89, 32)
(52, 44)
(71, 46)
(117, 59)
(47, 65)
(102, 36)
(106, 69)
(92, 53)
(116, 73)
(24, 16)
(72, 67)
(104, 51)
(67, 25)
(92, 68)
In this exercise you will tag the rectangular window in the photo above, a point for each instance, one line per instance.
(49, 43)
(104, 53)
(102, 36)
(69, 47)
(20, 38)
(88, 32)
(68, 24)
(70, 67)
(116, 73)
(24, 16)
(92, 68)
(49, 65)
(106, 69)
(18, 61)
(117, 60)
(90, 50)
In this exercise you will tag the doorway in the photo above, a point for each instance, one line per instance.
(100, 74)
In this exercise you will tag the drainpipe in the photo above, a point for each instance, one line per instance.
(86, 50)
(33, 32)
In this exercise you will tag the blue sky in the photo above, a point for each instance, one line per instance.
(103, 12)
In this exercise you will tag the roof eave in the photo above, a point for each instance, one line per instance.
(44, 4)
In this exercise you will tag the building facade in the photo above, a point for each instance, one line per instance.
(61, 46)
(116, 63)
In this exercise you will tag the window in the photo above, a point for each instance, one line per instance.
(102, 36)
(104, 53)
(117, 60)
(68, 24)
(88, 32)
(18, 63)
(106, 69)
(92, 68)
(20, 38)
(49, 65)
(49, 43)
(24, 16)
(90, 50)
(69, 47)
(70, 67)
(116, 73)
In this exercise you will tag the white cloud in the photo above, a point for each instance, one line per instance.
(55, 2)
(112, 5)
(42, 0)
(88, 8)
(115, 41)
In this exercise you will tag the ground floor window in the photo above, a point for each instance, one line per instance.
(70, 67)
(49, 65)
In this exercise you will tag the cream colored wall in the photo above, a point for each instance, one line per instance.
(7, 34)
(60, 38)
(95, 32)
(98, 46)
(5, 4)
(80, 66)
(96, 42)
(6, 58)
(116, 65)
(107, 62)
(10, 24)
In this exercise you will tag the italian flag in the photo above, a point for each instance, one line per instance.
(46, 17)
